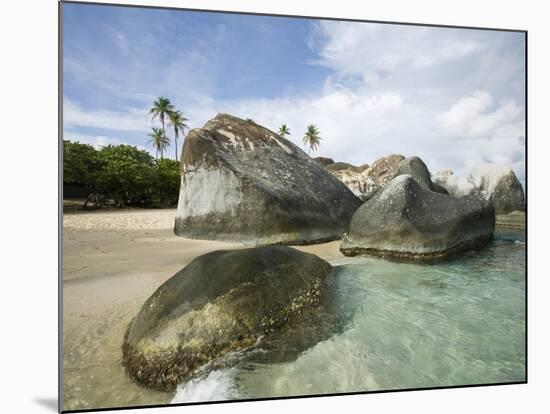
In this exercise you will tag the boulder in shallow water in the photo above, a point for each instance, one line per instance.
(242, 182)
(406, 220)
(221, 303)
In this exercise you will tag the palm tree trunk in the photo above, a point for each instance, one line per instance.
(176, 142)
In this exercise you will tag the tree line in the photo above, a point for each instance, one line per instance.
(121, 175)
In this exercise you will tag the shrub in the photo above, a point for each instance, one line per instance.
(122, 175)
(80, 164)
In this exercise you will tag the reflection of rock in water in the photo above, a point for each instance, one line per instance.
(224, 304)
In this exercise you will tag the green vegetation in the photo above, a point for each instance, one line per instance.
(121, 175)
(284, 130)
(312, 138)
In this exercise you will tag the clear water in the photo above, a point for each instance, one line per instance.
(410, 326)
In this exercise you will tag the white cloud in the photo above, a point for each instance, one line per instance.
(130, 120)
(478, 116)
(372, 50)
(453, 97)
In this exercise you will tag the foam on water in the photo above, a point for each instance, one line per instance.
(216, 386)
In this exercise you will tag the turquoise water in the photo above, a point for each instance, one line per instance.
(407, 326)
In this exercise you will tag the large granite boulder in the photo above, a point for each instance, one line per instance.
(220, 304)
(406, 220)
(242, 182)
(416, 168)
(499, 185)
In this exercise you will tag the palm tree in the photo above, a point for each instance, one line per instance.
(161, 108)
(312, 138)
(177, 120)
(284, 130)
(159, 140)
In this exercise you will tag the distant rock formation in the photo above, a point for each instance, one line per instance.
(360, 184)
(340, 166)
(493, 182)
(221, 303)
(242, 182)
(407, 220)
(324, 161)
(383, 170)
(499, 185)
(366, 180)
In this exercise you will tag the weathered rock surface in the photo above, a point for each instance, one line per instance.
(360, 184)
(243, 182)
(406, 220)
(365, 181)
(383, 170)
(416, 168)
(221, 303)
(499, 185)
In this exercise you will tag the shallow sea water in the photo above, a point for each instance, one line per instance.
(408, 326)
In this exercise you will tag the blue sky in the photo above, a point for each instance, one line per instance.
(454, 97)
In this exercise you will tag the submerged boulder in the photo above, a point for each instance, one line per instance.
(499, 185)
(406, 220)
(220, 303)
(242, 182)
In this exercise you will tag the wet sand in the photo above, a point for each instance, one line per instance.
(112, 262)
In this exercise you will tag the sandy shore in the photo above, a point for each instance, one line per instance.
(112, 262)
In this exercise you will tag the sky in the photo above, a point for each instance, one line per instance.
(453, 97)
